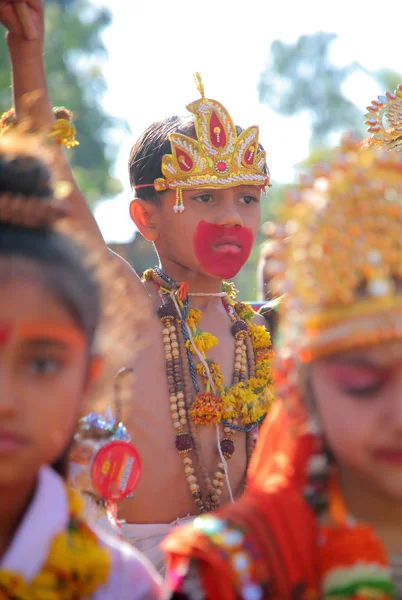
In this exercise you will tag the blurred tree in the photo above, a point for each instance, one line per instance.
(301, 78)
(388, 80)
(74, 50)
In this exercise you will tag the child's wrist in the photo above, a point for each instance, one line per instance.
(27, 50)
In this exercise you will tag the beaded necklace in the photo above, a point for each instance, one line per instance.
(182, 341)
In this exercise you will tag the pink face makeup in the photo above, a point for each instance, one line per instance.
(222, 250)
(357, 377)
(5, 333)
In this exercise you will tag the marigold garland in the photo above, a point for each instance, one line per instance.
(248, 401)
(75, 568)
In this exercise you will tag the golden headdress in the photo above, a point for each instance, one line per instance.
(338, 254)
(384, 120)
(218, 158)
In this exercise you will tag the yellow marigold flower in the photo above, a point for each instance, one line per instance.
(259, 336)
(46, 586)
(147, 275)
(14, 584)
(75, 502)
(64, 133)
(193, 318)
(215, 370)
(230, 289)
(245, 311)
(204, 342)
(263, 371)
(229, 406)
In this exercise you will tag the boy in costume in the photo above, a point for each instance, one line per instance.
(197, 403)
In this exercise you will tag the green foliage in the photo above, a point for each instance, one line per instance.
(301, 78)
(74, 51)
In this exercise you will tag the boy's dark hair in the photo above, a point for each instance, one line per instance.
(59, 264)
(145, 159)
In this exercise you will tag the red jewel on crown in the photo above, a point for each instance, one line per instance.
(221, 166)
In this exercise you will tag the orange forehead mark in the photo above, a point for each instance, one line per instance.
(52, 331)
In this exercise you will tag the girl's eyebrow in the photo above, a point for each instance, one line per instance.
(50, 333)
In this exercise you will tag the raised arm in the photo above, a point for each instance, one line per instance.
(29, 80)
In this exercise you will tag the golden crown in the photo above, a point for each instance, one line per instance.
(338, 253)
(218, 158)
(384, 120)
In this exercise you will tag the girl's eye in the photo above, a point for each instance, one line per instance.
(204, 198)
(366, 391)
(248, 199)
(43, 365)
(359, 381)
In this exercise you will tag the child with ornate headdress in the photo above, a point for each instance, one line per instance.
(322, 515)
(202, 380)
(51, 303)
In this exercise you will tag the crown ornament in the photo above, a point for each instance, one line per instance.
(218, 158)
(337, 256)
(384, 120)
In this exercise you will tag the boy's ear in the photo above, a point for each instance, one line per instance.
(143, 213)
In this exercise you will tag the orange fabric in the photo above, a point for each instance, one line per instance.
(272, 512)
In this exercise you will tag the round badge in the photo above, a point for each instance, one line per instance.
(116, 470)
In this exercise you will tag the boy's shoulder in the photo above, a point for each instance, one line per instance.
(132, 576)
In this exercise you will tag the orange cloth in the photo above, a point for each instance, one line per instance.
(274, 516)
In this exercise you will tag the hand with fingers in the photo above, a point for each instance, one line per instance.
(23, 19)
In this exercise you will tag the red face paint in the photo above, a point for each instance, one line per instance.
(222, 250)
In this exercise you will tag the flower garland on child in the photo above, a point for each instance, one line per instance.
(75, 568)
(249, 400)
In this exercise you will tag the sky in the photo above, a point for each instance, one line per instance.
(155, 46)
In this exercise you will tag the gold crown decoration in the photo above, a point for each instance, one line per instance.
(218, 158)
(338, 253)
(384, 120)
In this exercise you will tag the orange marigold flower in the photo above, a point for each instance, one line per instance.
(206, 409)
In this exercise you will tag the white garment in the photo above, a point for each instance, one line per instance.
(131, 576)
(147, 538)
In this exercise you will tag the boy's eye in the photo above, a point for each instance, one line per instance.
(204, 198)
(248, 199)
(43, 365)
